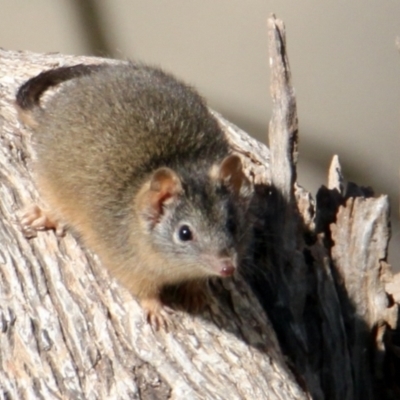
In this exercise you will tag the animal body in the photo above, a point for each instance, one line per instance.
(132, 160)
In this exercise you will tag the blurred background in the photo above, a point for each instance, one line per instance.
(345, 67)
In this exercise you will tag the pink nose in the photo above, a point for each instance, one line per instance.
(227, 268)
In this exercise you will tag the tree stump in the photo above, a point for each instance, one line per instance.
(307, 317)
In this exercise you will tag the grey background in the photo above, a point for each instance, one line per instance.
(344, 63)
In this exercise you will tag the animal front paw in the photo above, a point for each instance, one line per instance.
(33, 218)
(157, 314)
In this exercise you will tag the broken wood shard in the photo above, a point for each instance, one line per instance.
(335, 177)
(283, 128)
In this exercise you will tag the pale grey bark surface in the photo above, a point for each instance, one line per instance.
(307, 319)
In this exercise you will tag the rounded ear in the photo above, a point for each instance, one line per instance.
(163, 188)
(231, 174)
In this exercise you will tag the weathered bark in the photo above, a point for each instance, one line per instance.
(306, 318)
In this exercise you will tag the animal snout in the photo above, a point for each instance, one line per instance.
(227, 268)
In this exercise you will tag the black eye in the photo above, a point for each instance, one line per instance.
(185, 234)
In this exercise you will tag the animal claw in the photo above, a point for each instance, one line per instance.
(33, 218)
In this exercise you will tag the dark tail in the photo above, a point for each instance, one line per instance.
(29, 93)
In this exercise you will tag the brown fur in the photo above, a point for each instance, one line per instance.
(133, 161)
